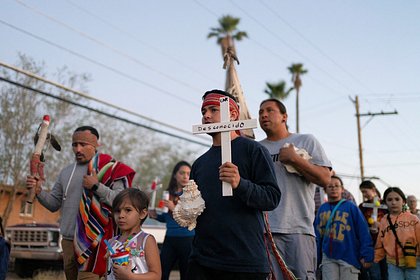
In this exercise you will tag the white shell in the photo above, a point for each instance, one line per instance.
(189, 207)
(301, 152)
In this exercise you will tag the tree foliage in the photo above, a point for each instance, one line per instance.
(277, 90)
(297, 70)
(228, 27)
(227, 32)
(21, 112)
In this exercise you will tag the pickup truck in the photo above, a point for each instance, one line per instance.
(38, 246)
(155, 228)
(35, 246)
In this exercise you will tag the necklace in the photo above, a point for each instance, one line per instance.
(130, 245)
(127, 240)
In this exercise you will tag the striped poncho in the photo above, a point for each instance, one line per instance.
(94, 221)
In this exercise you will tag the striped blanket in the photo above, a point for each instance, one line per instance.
(94, 221)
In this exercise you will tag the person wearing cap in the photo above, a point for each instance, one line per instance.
(91, 182)
(229, 237)
(291, 223)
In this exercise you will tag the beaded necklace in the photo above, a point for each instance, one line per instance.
(130, 244)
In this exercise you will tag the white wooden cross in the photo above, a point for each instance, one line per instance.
(225, 127)
(375, 206)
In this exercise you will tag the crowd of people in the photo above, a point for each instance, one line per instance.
(273, 226)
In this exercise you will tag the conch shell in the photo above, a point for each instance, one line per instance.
(302, 153)
(189, 207)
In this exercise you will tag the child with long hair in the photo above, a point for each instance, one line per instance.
(378, 271)
(399, 237)
(178, 240)
(130, 211)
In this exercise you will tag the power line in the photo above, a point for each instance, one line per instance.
(396, 95)
(116, 71)
(206, 8)
(359, 129)
(103, 44)
(395, 98)
(287, 61)
(100, 112)
(144, 43)
(32, 75)
(275, 53)
(290, 46)
(365, 178)
(300, 34)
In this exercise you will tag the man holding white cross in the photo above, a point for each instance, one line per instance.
(229, 240)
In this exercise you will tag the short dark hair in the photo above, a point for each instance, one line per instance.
(397, 190)
(90, 128)
(279, 104)
(338, 178)
(137, 198)
(222, 92)
(367, 185)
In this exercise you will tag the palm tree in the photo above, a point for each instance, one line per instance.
(277, 90)
(227, 32)
(297, 70)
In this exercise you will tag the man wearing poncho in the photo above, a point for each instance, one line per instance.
(84, 192)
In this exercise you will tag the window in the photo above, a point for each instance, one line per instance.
(26, 209)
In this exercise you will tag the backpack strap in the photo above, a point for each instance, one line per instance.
(392, 226)
(327, 229)
(330, 219)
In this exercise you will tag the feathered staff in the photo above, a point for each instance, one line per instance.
(154, 187)
(36, 166)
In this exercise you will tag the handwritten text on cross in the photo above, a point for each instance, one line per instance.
(225, 127)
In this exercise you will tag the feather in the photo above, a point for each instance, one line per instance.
(50, 139)
(54, 142)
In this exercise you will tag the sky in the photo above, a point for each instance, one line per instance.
(154, 58)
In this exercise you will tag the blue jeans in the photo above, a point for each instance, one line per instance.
(378, 271)
(374, 272)
(395, 272)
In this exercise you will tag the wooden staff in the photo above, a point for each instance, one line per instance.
(36, 165)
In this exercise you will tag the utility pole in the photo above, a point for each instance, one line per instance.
(359, 130)
(359, 137)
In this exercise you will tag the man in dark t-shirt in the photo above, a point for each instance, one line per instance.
(229, 239)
